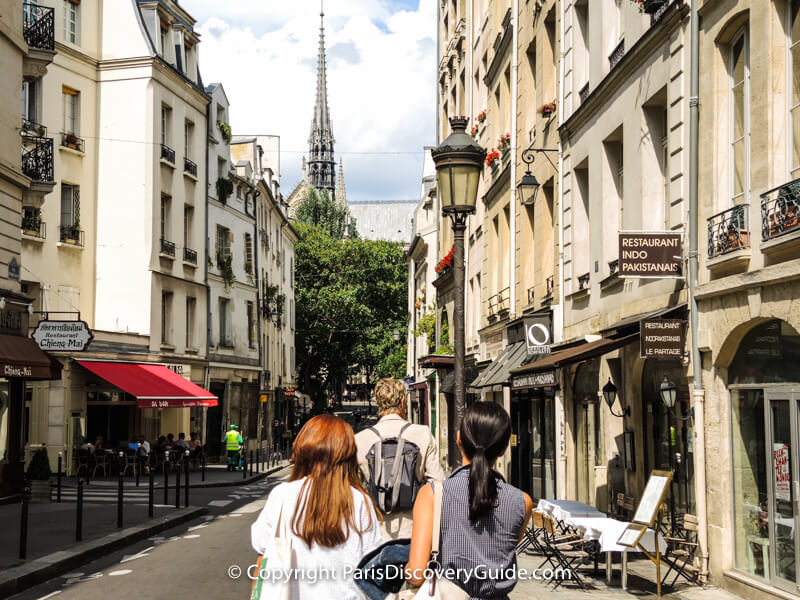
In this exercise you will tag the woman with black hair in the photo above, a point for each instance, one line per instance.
(482, 517)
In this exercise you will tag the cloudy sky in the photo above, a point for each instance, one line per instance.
(381, 82)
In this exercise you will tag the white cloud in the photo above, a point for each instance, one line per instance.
(381, 81)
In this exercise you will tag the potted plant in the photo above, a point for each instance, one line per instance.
(71, 140)
(650, 6)
(547, 110)
(224, 189)
(492, 158)
(474, 131)
(504, 142)
(226, 266)
(39, 475)
(32, 221)
(481, 117)
(71, 233)
(225, 130)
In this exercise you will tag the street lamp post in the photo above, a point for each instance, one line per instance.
(669, 393)
(459, 163)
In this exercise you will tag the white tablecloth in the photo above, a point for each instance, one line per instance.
(607, 531)
(563, 510)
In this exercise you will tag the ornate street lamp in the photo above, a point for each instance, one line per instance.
(610, 395)
(669, 393)
(459, 164)
(528, 186)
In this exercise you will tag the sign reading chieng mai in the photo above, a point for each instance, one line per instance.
(650, 254)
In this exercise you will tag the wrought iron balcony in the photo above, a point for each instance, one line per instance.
(190, 256)
(189, 167)
(72, 141)
(780, 210)
(583, 93)
(168, 154)
(37, 159)
(729, 231)
(168, 248)
(616, 54)
(583, 282)
(33, 227)
(70, 234)
(38, 26)
(499, 302)
(32, 129)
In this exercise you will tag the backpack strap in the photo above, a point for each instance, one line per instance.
(379, 467)
(394, 475)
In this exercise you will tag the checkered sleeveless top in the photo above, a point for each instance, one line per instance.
(486, 546)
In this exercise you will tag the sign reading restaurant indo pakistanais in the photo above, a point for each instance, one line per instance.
(662, 338)
(650, 254)
(73, 336)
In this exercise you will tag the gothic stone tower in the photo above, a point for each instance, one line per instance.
(321, 163)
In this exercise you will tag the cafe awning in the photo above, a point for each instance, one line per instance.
(575, 354)
(498, 372)
(22, 357)
(154, 386)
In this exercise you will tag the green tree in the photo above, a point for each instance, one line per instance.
(318, 208)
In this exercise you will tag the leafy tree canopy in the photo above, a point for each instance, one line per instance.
(318, 208)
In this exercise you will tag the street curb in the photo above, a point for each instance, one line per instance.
(34, 572)
(252, 479)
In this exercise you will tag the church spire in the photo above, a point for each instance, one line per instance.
(322, 165)
(341, 194)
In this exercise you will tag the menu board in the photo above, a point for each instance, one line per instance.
(632, 534)
(652, 497)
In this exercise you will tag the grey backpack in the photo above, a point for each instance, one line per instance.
(392, 465)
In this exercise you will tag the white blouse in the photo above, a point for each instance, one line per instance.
(320, 572)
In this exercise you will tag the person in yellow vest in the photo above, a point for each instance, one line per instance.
(233, 441)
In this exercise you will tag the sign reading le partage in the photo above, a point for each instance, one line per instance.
(74, 336)
(650, 254)
(662, 338)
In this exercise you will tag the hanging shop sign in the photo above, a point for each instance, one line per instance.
(538, 335)
(650, 254)
(662, 338)
(73, 336)
(538, 379)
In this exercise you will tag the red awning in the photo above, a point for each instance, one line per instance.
(154, 386)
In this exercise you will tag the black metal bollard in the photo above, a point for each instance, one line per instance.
(244, 464)
(150, 495)
(120, 483)
(257, 459)
(186, 480)
(23, 522)
(251, 463)
(137, 465)
(79, 515)
(166, 480)
(203, 468)
(178, 483)
(58, 477)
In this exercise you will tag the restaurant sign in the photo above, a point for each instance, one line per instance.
(655, 254)
(529, 380)
(537, 334)
(662, 338)
(73, 336)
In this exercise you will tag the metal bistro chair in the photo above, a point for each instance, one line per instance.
(84, 457)
(567, 550)
(101, 462)
(680, 553)
(129, 462)
(625, 506)
(531, 541)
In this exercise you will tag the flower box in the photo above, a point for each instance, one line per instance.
(652, 6)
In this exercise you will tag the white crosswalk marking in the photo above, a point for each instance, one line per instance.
(220, 503)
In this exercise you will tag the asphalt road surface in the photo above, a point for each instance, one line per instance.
(188, 561)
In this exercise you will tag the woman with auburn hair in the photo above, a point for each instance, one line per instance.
(324, 511)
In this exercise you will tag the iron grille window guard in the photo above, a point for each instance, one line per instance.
(168, 154)
(33, 227)
(728, 231)
(167, 247)
(531, 295)
(583, 94)
(70, 140)
(662, 6)
(190, 256)
(780, 210)
(189, 167)
(37, 159)
(583, 281)
(617, 54)
(38, 26)
(613, 267)
(70, 234)
(32, 129)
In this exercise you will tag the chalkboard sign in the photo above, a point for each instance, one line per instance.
(632, 534)
(652, 497)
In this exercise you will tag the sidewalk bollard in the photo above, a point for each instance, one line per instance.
(120, 483)
(244, 465)
(257, 458)
(203, 468)
(166, 481)
(186, 488)
(23, 522)
(251, 463)
(58, 477)
(150, 496)
(79, 515)
(178, 482)
(137, 465)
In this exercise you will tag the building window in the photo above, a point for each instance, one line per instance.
(223, 243)
(164, 38)
(166, 121)
(225, 336)
(188, 134)
(70, 205)
(248, 253)
(166, 317)
(29, 89)
(739, 117)
(251, 325)
(71, 21)
(188, 215)
(665, 163)
(166, 202)
(71, 109)
(191, 303)
(794, 87)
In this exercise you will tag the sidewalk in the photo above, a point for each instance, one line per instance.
(641, 584)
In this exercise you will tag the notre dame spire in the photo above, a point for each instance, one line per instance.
(321, 164)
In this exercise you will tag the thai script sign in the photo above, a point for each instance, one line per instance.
(662, 338)
(73, 336)
(650, 254)
(528, 380)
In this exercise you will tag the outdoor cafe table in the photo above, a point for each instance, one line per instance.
(563, 510)
(606, 532)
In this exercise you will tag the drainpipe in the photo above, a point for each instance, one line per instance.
(698, 394)
(558, 313)
(205, 266)
(512, 221)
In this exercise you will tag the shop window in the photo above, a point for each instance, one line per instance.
(769, 353)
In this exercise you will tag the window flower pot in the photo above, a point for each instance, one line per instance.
(652, 6)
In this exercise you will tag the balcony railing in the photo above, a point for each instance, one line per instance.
(583, 93)
(189, 167)
(168, 154)
(38, 26)
(499, 302)
(190, 256)
(72, 141)
(661, 8)
(32, 129)
(780, 210)
(583, 282)
(34, 227)
(37, 159)
(167, 247)
(728, 231)
(70, 234)
(617, 54)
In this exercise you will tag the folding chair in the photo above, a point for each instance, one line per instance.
(567, 550)
(532, 535)
(625, 505)
(680, 554)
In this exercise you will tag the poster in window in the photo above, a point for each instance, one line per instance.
(783, 478)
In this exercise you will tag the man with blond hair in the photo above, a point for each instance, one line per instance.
(390, 399)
